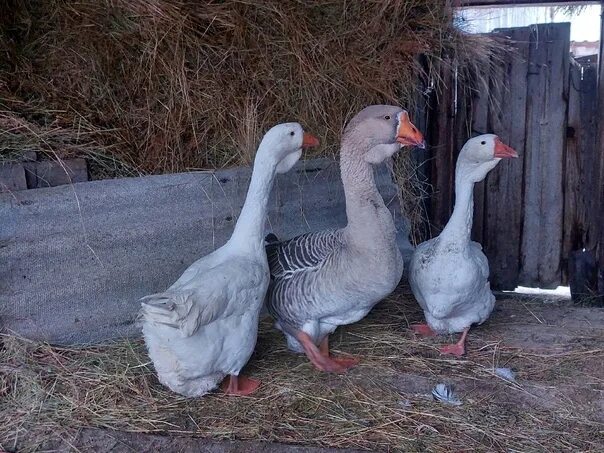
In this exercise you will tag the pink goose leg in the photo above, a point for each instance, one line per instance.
(239, 385)
(458, 348)
(317, 356)
(423, 330)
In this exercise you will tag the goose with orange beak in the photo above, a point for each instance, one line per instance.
(325, 279)
(449, 274)
(203, 328)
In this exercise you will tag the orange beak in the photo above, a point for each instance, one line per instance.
(309, 140)
(502, 150)
(407, 134)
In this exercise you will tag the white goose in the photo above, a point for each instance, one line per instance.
(449, 274)
(204, 327)
(329, 278)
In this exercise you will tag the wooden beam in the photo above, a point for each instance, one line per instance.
(548, 66)
(601, 161)
(504, 185)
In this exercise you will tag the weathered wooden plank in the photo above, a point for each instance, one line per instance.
(442, 149)
(51, 173)
(503, 197)
(545, 143)
(591, 159)
(480, 112)
(601, 165)
(12, 177)
(572, 210)
(420, 157)
(580, 177)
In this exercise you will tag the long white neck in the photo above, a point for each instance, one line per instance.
(368, 217)
(459, 227)
(249, 230)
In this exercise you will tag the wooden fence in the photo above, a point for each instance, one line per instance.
(532, 213)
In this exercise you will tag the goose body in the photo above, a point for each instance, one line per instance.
(204, 327)
(325, 279)
(449, 274)
(450, 283)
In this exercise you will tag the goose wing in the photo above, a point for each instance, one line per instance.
(223, 292)
(302, 253)
(183, 310)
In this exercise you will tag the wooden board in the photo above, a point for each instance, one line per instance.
(504, 185)
(420, 157)
(12, 177)
(580, 176)
(601, 165)
(480, 112)
(51, 173)
(545, 142)
(441, 149)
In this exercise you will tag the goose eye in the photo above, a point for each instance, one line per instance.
(387, 117)
(483, 142)
(292, 133)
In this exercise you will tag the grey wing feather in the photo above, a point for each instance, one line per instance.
(305, 252)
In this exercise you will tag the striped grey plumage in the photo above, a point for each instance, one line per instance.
(302, 253)
(295, 265)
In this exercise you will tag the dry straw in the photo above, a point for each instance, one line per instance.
(147, 86)
(385, 404)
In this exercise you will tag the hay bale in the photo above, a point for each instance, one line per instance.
(147, 86)
(170, 85)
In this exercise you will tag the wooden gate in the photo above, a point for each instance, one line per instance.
(531, 213)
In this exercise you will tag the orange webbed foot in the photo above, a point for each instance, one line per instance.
(423, 329)
(239, 385)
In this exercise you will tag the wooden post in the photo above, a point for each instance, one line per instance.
(441, 138)
(544, 156)
(581, 215)
(479, 115)
(601, 152)
(504, 185)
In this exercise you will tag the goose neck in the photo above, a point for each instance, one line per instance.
(249, 228)
(459, 227)
(365, 208)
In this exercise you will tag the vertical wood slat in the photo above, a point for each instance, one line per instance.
(600, 150)
(479, 115)
(504, 185)
(545, 141)
(441, 140)
(580, 178)
(419, 117)
(449, 128)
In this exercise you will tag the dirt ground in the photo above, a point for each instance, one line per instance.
(556, 403)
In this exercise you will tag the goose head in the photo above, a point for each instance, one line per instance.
(379, 131)
(282, 145)
(480, 155)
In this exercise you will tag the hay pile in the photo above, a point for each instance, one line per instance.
(166, 86)
(147, 86)
(383, 405)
